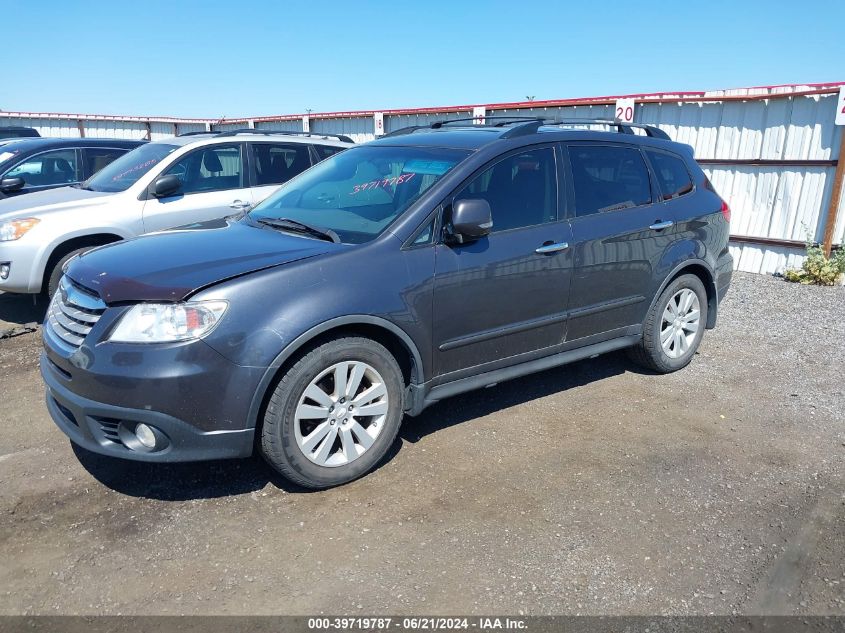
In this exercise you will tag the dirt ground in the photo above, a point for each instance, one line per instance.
(590, 489)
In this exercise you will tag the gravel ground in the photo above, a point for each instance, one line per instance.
(592, 489)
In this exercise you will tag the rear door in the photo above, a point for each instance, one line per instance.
(620, 232)
(214, 185)
(505, 294)
(273, 164)
(95, 158)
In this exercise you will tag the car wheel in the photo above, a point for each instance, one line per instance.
(334, 414)
(674, 326)
(56, 271)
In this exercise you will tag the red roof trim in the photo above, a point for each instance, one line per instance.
(647, 97)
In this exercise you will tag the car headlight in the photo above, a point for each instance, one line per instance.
(16, 229)
(168, 322)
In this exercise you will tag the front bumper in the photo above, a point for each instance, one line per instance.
(25, 267)
(109, 429)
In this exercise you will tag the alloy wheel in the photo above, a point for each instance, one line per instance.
(680, 323)
(341, 413)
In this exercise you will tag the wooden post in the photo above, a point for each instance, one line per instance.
(835, 197)
(81, 127)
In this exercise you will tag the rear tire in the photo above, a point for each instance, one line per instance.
(673, 327)
(334, 414)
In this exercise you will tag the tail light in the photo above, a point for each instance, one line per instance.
(726, 211)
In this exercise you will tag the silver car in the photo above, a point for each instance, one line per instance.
(157, 186)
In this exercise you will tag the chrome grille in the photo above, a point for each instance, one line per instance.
(73, 312)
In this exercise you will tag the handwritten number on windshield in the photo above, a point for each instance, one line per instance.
(387, 182)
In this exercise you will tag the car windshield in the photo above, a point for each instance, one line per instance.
(359, 192)
(126, 170)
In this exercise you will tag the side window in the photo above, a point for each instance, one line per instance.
(324, 151)
(95, 158)
(58, 167)
(672, 174)
(521, 189)
(426, 235)
(608, 178)
(275, 164)
(213, 168)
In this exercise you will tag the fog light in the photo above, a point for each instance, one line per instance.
(5, 267)
(145, 435)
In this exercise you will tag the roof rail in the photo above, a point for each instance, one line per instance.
(523, 126)
(405, 130)
(340, 137)
(621, 127)
(512, 119)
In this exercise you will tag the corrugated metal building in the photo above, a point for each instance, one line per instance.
(772, 152)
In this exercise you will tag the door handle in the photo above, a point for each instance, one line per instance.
(660, 225)
(549, 249)
(240, 204)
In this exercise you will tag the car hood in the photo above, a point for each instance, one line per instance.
(39, 203)
(172, 265)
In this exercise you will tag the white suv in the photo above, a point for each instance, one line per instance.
(159, 185)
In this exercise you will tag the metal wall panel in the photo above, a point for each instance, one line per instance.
(359, 128)
(785, 202)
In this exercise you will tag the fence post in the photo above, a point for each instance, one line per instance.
(835, 196)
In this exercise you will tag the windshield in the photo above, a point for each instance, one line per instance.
(126, 170)
(359, 192)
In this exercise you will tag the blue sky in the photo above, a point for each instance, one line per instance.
(216, 59)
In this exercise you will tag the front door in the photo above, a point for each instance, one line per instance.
(500, 296)
(214, 185)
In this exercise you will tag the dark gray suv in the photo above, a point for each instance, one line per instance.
(390, 276)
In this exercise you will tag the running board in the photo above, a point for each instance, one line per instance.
(471, 383)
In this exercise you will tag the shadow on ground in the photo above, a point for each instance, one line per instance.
(206, 480)
(21, 309)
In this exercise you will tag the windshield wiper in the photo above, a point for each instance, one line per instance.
(295, 226)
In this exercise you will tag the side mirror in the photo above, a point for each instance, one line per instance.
(167, 186)
(12, 184)
(471, 219)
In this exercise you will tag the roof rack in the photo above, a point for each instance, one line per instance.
(621, 127)
(339, 137)
(523, 126)
(506, 120)
(405, 130)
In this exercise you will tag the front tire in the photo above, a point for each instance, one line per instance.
(56, 270)
(334, 414)
(673, 327)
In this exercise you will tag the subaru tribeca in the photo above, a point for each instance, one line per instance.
(386, 278)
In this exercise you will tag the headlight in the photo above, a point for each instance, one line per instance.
(16, 229)
(168, 322)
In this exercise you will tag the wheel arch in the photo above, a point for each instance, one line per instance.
(394, 338)
(704, 272)
(69, 244)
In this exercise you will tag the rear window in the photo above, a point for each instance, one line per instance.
(608, 178)
(672, 174)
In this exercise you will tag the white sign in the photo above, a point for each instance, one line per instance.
(840, 107)
(306, 123)
(624, 110)
(378, 123)
(478, 114)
